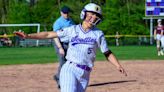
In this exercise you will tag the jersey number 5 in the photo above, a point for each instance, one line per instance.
(90, 50)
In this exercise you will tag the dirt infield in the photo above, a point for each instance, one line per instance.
(147, 76)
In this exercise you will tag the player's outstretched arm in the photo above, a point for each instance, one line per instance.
(110, 56)
(41, 35)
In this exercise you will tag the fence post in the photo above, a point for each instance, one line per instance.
(117, 37)
(151, 31)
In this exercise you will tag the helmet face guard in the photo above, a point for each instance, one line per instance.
(96, 21)
(91, 7)
(93, 21)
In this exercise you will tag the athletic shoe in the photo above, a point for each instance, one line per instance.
(161, 52)
(57, 81)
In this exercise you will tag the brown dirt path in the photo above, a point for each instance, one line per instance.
(147, 76)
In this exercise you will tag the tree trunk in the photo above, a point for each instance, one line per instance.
(59, 4)
(32, 2)
(128, 7)
(4, 10)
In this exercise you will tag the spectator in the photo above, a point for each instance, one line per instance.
(158, 32)
(6, 41)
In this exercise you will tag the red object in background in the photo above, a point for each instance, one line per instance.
(148, 4)
(20, 34)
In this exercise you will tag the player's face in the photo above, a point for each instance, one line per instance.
(159, 22)
(65, 15)
(91, 18)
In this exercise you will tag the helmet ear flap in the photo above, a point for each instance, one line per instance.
(82, 14)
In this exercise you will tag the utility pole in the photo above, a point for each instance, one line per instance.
(151, 30)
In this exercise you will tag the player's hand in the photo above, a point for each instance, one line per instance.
(21, 34)
(122, 70)
(61, 51)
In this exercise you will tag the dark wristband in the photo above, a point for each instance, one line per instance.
(107, 53)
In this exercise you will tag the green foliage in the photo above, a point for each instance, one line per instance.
(120, 17)
(18, 12)
(45, 12)
(123, 16)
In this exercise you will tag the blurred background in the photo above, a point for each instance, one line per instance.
(127, 24)
(120, 17)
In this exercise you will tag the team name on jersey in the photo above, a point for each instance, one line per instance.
(77, 40)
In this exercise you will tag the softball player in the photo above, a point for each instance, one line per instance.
(84, 39)
(158, 33)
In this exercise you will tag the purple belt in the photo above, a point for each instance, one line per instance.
(84, 67)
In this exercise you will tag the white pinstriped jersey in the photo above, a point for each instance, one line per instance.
(83, 45)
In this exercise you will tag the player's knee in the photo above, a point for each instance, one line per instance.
(158, 46)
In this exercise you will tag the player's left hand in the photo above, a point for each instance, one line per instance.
(122, 70)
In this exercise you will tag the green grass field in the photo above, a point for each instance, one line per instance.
(38, 55)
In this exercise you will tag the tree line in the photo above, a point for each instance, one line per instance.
(123, 16)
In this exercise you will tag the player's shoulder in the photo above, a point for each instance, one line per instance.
(97, 31)
(71, 28)
(59, 20)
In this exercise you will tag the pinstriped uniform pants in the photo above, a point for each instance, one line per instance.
(73, 78)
